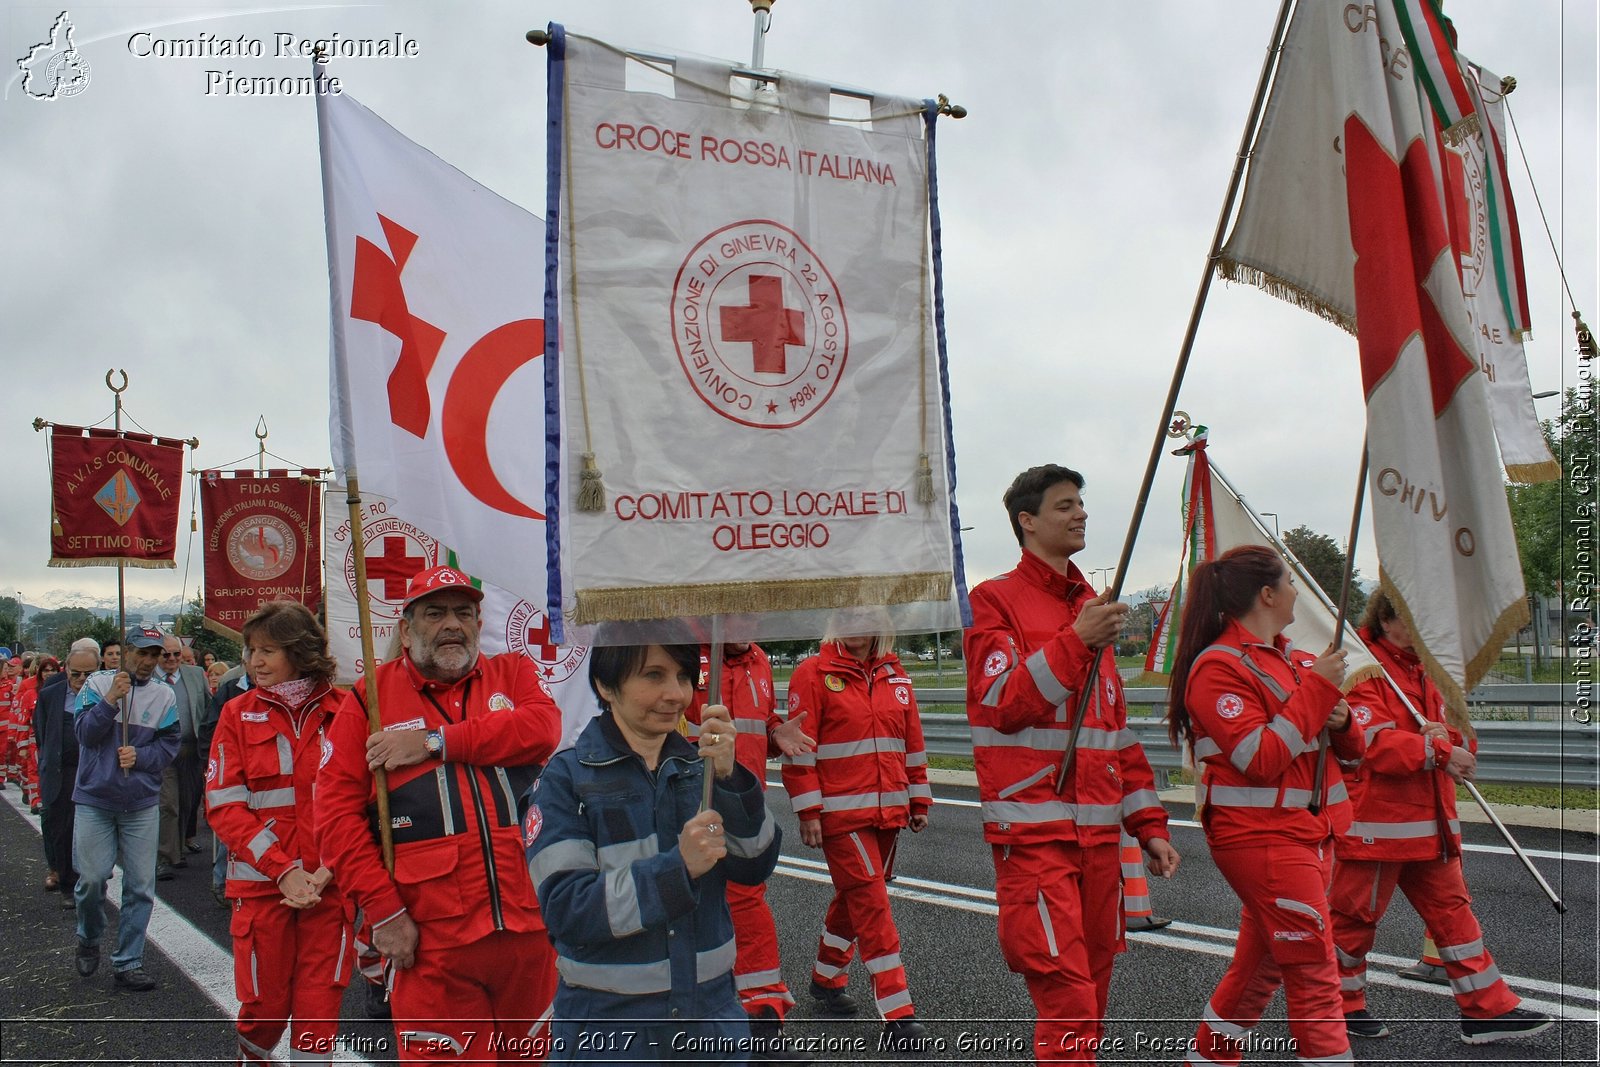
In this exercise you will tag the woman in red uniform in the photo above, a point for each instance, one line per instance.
(1252, 709)
(44, 668)
(867, 779)
(292, 944)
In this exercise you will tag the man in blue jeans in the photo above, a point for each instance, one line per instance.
(127, 729)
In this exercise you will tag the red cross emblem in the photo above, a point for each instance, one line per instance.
(766, 323)
(395, 567)
(377, 296)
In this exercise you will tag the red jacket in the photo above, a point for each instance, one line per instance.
(459, 864)
(1256, 711)
(870, 767)
(1025, 667)
(748, 695)
(260, 786)
(1404, 803)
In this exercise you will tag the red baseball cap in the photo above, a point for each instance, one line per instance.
(436, 579)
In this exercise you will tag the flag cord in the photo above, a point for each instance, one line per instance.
(924, 471)
(194, 525)
(1246, 141)
(1586, 345)
(591, 485)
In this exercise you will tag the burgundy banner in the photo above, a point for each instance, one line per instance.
(115, 498)
(263, 542)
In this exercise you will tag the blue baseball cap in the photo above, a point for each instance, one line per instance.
(144, 637)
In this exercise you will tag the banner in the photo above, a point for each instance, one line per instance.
(750, 413)
(435, 286)
(1216, 518)
(396, 551)
(263, 541)
(1343, 214)
(114, 498)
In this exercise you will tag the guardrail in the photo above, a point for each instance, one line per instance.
(1560, 752)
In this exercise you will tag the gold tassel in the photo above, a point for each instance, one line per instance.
(194, 524)
(55, 526)
(924, 480)
(591, 490)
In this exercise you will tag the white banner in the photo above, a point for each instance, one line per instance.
(748, 351)
(436, 337)
(396, 550)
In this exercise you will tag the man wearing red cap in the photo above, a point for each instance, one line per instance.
(463, 737)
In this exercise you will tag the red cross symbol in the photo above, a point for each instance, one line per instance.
(765, 323)
(395, 567)
(541, 637)
(377, 296)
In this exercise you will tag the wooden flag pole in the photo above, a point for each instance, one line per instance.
(713, 696)
(369, 673)
(1268, 65)
(1321, 774)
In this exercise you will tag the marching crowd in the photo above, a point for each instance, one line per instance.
(607, 902)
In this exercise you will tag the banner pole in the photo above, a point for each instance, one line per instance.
(1268, 65)
(762, 10)
(369, 673)
(1321, 774)
(713, 696)
(261, 445)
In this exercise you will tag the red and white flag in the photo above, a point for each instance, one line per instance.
(437, 388)
(1344, 213)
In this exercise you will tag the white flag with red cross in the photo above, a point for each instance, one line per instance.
(437, 337)
(1345, 214)
(751, 415)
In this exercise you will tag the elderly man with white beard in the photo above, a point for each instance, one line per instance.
(463, 737)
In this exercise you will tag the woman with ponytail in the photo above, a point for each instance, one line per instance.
(1251, 709)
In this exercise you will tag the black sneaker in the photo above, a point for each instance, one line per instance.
(164, 872)
(1148, 922)
(1362, 1023)
(768, 1044)
(1431, 973)
(135, 979)
(87, 959)
(903, 1034)
(377, 1001)
(1518, 1022)
(834, 1001)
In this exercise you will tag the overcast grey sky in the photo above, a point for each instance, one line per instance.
(177, 234)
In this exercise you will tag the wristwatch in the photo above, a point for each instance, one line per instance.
(433, 741)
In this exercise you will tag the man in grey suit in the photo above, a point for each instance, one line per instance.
(181, 783)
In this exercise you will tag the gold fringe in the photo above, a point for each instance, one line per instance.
(591, 490)
(1359, 675)
(729, 598)
(924, 479)
(1547, 470)
(1232, 270)
(112, 561)
(1463, 130)
(226, 631)
(1149, 680)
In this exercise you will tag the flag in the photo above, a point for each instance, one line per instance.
(263, 541)
(114, 498)
(1344, 214)
(750, 412)
(1216, 518)
(397, 550)
(435, 288)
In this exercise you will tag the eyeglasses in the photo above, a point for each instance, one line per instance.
(170, 655)
(77, 674)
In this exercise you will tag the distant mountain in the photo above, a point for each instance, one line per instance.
(139, 608)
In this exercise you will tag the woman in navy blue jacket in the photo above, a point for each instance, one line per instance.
(631, 875)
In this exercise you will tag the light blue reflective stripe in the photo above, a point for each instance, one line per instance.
(1012, 811)
(1241, 796)
(916, 759)
(1017, 787)
(622, 902)
(570, 855)
(1245, 751)
(1049, 927)
(901, 999)
(1044, 678)
(922, 791)
(856, 801)
(865, 746)
(801, 801)
(442, 780)
(751, 847)
(233, 794)
(249, 1048)
(757, 979)
(1043, 738)
(1347, 960)
(285, 755)
(240, 871)
(1482, 980)
(1272, 684)
(1300, 907)
(1140, 799)
(1136, 905)
(1351, 983)
(827, 970)
(1289, 733)
(1458, 953)
(1393, 831)
(804, 759)
(626, 853)
(1221, 1025)
(750, 726)
(1373, 731)
(991, 699)
(861, 850)
(714, 962)
(1204, 746)
(272, 798)
(261, 842)
(1336, 793)
(883, 963)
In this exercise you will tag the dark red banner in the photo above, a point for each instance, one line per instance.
(263, 542)
(115, 498)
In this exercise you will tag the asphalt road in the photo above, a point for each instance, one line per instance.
(977, 1011)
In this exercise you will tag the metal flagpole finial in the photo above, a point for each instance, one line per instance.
(1180, 425)
(261, 428)
(955, 111)
(538, 37)
(115, 388)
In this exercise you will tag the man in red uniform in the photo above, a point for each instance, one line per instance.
(463, 737)
(748, 694)
(1405, 834)
(1035, 633)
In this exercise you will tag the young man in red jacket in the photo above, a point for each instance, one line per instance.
(1036, 631)
(463, 737)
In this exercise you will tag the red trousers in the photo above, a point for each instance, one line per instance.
(1285, 938)
(1061, 929)
(289, 964)
(1135, 886)
(756, 973)
(1436, 888)
(489, 1000)
(859, 863)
